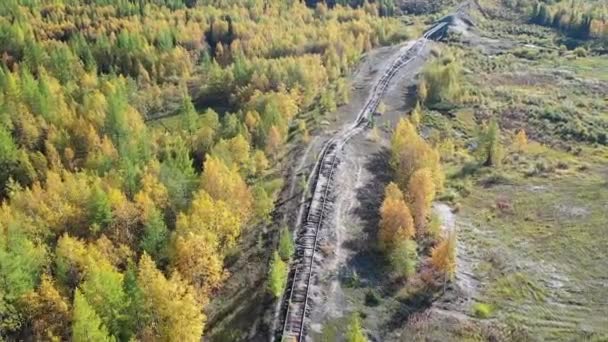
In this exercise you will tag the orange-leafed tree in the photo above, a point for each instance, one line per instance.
(409, 152)
(421, 192)
(48, 312)
(443, 256)
(396, 221)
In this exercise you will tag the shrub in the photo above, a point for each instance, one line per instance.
(277, 276)
(286, 245)
(580, 52)
(482, 310)
(371, 298)
(404, 258)
(352, 279)
(442, 81)
(490, 149)
(396, 221)
(354, 331)
(443, 256)
(435, 226)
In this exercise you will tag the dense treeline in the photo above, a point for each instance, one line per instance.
(115, 230)
(385, 7)
(579, 19)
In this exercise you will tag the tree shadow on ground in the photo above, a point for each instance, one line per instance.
(371, 194)
(368, 262)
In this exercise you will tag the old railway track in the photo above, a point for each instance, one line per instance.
(296, 299)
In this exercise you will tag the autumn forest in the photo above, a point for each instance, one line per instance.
(114, 225)
(164, 164)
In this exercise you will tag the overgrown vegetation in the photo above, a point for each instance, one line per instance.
(525, 171)
(441, 82)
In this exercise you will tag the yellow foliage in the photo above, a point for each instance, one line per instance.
(405, 132)
(396, 222)
(116, 198)
(118, 256)
(421, 192)
(423, 91)
(74, 258)
(197, 258)
(443, 256)
(94, 108)
(446, 149)
(153, 194)
(521, 141)
(416, 115)
(80, 126)
(252, 118)
(260, 162)
(48, 311)
(273, 142)
(171, 304)
(59, 205)
(233, 152)
(225, 184)
(210, 216)
(126, 220)
(410, 153)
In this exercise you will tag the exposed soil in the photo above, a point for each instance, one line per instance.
(353, 257)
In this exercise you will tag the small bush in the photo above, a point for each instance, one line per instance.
(464, 187)
(404, 258)
(352, 279)
(495, 178)
(286, 245)
(527, 53)
(580, 52)
(371, 298)
(450, 195)
(435, 226)
(277, 276)
(482, 310)
(354, 331)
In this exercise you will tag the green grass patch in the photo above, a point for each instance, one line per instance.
(518, 287)
(595, 67)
